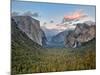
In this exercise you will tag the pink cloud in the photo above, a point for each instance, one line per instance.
(75, 15)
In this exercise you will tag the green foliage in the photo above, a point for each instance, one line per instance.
(29, 57)
(53, 59)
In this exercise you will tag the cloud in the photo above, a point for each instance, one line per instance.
(58, 27)
(29, 13)
(75, 16)
(51, 21)
(14, 13)
(36, 14)
(54, 29)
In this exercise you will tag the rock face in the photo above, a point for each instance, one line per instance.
(20, 40)
(31, 27)
(44, 39)
(83, 33)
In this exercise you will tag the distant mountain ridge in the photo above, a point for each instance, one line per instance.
(59, 38)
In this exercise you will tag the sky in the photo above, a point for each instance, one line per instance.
(50, 11)
(55, 12)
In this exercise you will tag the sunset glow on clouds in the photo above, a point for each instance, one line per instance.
(77, 15)
(74, 17)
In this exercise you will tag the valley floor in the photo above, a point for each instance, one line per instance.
(65, 60)
(57, 59)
